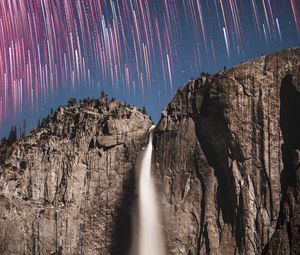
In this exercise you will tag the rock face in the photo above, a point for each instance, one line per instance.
(227, 157)
(226, 163)
(68, 187)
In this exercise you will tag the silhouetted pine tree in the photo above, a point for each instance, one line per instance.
(72, 102)
(12, 137)
(144, 111)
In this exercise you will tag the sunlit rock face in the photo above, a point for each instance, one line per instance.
(68, 187)
(226, 157)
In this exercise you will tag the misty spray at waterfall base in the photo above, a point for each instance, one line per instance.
(148, 238)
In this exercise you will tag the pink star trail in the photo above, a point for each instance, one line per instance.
(47, 47)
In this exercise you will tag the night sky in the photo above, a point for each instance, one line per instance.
(140, 51)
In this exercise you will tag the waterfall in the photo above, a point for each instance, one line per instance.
(150, 238)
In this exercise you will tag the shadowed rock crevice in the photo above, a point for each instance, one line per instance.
(290, 127)
(212, 134)
(123, 225)
(286, 239)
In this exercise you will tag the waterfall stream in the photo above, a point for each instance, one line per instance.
(150, 238)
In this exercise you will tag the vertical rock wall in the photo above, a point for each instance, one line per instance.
(220, 151)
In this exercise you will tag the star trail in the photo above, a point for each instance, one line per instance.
(143, 49)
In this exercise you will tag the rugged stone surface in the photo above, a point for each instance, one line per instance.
(68, 187)
(226, 160)
(226, 163)
(286, 239)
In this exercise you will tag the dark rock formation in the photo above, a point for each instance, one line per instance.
(227, 160)
(68, 188)
(286, 239)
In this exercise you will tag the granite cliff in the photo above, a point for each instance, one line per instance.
(67, 188)
(226, 164)
(227, 156)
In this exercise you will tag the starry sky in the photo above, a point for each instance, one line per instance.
(140, 51)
